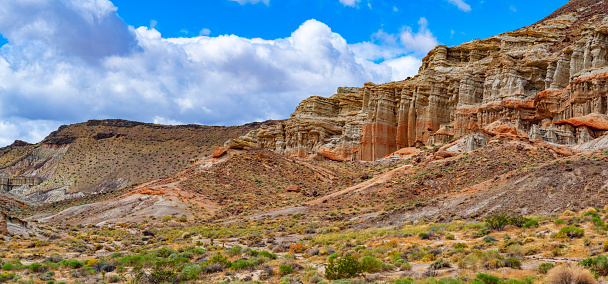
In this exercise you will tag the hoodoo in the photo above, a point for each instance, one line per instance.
(551, 71)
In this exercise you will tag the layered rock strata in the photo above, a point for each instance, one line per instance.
(323, 127)
(554, 70)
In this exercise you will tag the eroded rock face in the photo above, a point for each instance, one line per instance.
(326, 127)
(554, 70)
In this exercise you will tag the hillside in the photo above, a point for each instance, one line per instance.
(104, 155)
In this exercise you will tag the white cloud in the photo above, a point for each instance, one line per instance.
(243, 2)
(513, 8)
(32, 131)
(422, 41)
(351, 3)
(395, 9)
(463, 6)
(137, 74)
(205, 32)
(166, 121)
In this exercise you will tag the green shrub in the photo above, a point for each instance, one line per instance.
(408, 280)
(597, 264)
(167, 218)
(571, 232)
(8, 266)
(345, 267)
(531, 223)
(234, 251)
(513, 263)
(37, 268)
(370, 264)
(450, 237)
(190, 272)
(559, 222)
(242, 263)
(164, 252)
(545, 267)
(483, 278)
(518, 221)
(497, 222)
(71, 263)
(285, 269)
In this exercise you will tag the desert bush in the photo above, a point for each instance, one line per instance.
(242, 263)
(219, 259)
(297, 248)
(515, 249)
(370, 264)
(71, 263)
(513, 263)
(285, 269)
(531, 223)
(6, 276)
(597, 264)
(497, 222)
(114, 279)
(37, 267)
(545, 267)
(189, 272)
(483, 278)
(212, 267)
(518, 220)
(164, 252)
(345, 267)
(571, 232)
(234, 251)
(568, 274)
(440, 263)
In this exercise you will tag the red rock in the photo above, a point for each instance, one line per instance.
(293, 188)
(221, 151)
(594, 120)
(406, 152)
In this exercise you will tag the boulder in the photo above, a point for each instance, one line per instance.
(293, 188)
(221, 151)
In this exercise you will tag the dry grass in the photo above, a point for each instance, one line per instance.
(570, 274)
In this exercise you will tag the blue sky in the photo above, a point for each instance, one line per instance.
(221, 62)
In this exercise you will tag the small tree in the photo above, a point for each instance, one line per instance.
(346, 267)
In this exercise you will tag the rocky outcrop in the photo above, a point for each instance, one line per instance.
(537, 78)
(319, 127)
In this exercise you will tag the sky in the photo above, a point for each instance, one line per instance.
(217, 62)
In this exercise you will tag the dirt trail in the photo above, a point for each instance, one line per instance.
(361, 186)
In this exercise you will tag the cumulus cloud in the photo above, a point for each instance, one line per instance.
(422, 41)
(137, 74)
(87, 29)
(351, 3)
(463, 6)
(243, 2)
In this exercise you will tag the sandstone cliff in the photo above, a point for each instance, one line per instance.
(551, 71)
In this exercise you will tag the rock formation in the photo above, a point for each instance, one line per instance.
(551, 71)
(327, 127)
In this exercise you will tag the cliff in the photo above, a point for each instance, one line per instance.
(553, 70)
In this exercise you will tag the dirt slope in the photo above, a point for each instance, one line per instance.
(104, 155)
